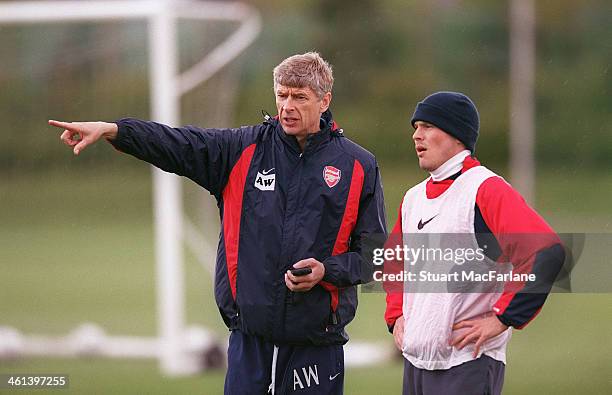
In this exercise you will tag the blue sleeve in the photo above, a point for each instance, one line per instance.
(526, 304)
(205, 156)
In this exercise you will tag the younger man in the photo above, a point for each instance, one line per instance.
(454, 342)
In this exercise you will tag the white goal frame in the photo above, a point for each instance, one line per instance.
(177, 348)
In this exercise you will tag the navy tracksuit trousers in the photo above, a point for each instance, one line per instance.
(297, 369)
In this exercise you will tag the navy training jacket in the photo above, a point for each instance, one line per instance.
(278, 205)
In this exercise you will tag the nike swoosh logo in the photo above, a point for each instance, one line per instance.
(421, 224)
(265, 172)
(334, 376)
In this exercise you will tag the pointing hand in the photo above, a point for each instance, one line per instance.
(81, 134)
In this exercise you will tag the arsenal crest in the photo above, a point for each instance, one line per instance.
(331, 175)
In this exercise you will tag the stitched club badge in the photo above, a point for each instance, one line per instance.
(331, 175)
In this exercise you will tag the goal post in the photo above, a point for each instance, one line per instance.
(167, 86)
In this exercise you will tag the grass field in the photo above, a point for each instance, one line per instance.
(77, 247)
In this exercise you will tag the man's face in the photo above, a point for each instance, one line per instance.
(300, 109)
(434, 146)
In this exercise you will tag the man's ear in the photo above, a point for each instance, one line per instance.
(325, 101)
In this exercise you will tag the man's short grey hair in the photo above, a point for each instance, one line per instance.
(305, 70)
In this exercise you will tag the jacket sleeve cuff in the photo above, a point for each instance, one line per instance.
(330, 276)
(504, 320)
(343, 270)
(121, 140)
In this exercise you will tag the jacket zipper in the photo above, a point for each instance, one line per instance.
(289, 224)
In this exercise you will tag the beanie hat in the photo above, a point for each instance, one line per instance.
(452, 112)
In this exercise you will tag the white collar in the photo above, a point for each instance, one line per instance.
(450, 167)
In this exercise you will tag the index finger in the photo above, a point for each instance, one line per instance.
(463, 324)
(296, 286)
(59, 124)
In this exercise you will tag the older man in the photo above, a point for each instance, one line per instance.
(454, 338)
(296, 200)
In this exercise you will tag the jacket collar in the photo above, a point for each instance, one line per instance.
(326, 125)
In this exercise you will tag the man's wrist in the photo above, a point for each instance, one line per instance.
(110, 131)
(503, 320)
(392, 326)
(326, 273)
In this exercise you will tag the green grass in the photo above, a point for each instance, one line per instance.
(78, 246)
